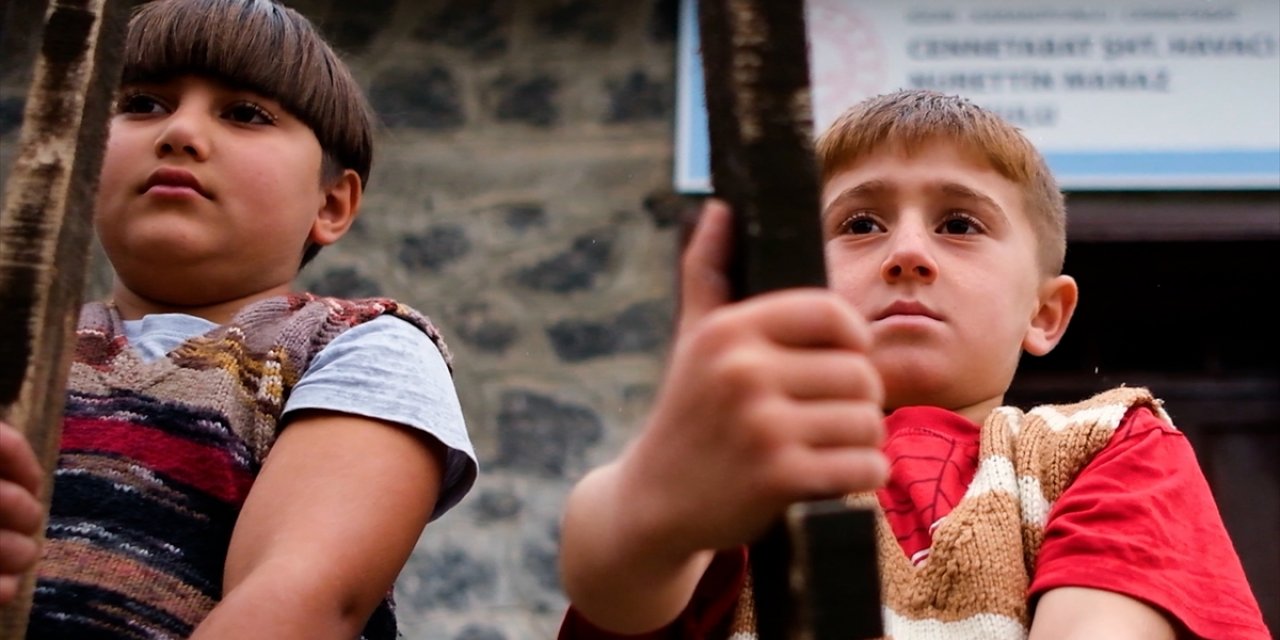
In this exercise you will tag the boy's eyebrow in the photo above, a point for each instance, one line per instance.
(862, 189)
(958, 190)
(876, 187)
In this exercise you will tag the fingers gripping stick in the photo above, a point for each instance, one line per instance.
(815, 575)
(45, 228)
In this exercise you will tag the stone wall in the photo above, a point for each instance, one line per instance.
(521, 198)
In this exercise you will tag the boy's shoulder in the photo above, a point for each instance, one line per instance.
(352, 310)
(333, 315)
(1053, 443)
(299, 324)
(329, 311)
(1050, 431)
(328, 316)
(1104, 411)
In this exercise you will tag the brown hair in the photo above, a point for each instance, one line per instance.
(914, 117)
(267, 48)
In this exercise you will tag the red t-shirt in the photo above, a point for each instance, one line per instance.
(1139, 520)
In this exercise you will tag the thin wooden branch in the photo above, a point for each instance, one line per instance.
(45, 229)
(756, 72)
(815, 575)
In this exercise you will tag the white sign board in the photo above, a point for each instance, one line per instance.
(1118, 94)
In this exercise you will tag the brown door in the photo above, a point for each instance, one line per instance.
(1195, 322)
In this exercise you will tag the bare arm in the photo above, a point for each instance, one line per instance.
(332, 517)
(766, 402)
(619, 568)
(1076, 613)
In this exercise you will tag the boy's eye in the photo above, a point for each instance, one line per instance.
(960, 224)
(249, 113)
(139, 103)
(860, 224)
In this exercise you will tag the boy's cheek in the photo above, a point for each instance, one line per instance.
(847, 276)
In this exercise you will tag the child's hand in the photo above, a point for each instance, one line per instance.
(766, 402)
(20, 510)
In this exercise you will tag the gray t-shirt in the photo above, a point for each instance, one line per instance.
(385, 369)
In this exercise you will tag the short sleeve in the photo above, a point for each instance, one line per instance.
(390, 370)
(1140, 520)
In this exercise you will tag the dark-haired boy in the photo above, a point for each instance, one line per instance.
(240, 460)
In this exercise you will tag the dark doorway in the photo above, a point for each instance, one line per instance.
(1197, 322)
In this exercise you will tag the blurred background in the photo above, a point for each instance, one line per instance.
(522, 196)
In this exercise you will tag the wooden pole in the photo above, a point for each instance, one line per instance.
(756, 71)
(814, 573)
(45, 229)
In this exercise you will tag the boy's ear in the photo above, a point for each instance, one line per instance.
(1058, 297)
(339, 209)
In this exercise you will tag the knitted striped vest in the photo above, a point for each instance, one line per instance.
(158, 457)
(984, 553)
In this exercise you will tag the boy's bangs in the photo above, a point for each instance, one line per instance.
(256, 45)
(912, 120)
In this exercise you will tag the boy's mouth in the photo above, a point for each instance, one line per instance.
(907, 308)
(170, 179)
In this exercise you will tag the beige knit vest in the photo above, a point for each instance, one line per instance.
(984, 552)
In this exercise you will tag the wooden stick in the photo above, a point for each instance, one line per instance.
(756, 72)
(45, 229)
(834, 580)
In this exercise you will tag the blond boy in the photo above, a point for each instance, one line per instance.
(945, 237)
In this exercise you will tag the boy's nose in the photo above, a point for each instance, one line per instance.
(182, 135)
(909, 258)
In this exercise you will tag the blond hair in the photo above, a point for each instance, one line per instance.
(914, 117)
